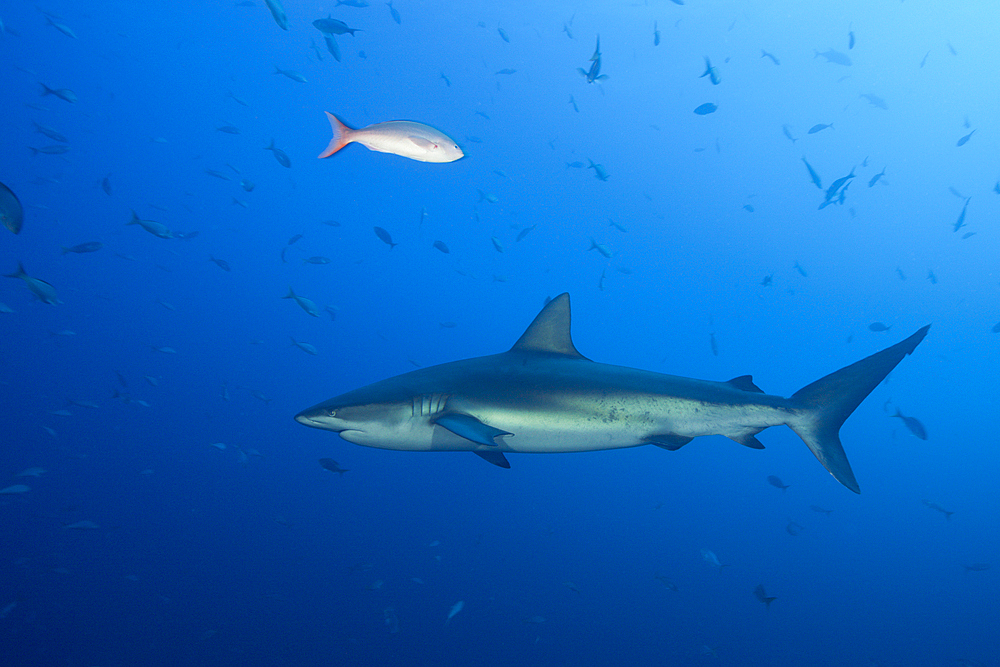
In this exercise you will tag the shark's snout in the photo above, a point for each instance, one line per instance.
(316, 419)
(304, 418)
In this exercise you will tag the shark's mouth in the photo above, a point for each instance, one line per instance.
(302, 418)
(310, 418)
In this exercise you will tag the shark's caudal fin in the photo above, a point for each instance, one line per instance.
(829, 401)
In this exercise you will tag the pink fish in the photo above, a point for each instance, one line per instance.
(399, 137)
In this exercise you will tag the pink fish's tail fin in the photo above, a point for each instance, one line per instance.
(341, 136)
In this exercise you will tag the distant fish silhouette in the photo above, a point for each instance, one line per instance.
(332, 466)
(775, 481)
(913, 424)
(455, 608)
(762, 596)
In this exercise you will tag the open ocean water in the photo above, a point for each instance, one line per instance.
(160, 506)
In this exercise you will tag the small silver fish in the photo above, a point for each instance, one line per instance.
(279, 155)
(332, 466)
(385, 237)
(332, 26)
(306, 304)
(45, 292)
(762, 596)
(835, 57)
(305, 347)
(92, 246)
(394, 13)
(601, 248)
(709, 557)
(221, 263)
(62, 93)
(775, 481)
(155, 228)
(278, 12)
(912, 424)
(455, 608)
(291, 74)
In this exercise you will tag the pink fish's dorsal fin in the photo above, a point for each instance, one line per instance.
(341, 136)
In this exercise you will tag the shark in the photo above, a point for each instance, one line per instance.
(542, 395)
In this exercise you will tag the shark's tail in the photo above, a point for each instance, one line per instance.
(827, 403)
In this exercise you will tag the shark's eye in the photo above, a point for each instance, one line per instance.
(331, 413)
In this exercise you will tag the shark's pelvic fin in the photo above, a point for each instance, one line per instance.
(550, 330)
(829, 401)
(471, 428)
(496, 458)
(669, 441)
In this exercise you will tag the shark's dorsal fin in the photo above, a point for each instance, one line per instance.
(550, 330)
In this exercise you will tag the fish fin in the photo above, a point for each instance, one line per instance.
(341, 136)
(549, 332)
(747, 439)
(426, 145)
(745, 382)
(470, 428)
(496, 458)
(827, 403)
(669, 441)
(17, 274)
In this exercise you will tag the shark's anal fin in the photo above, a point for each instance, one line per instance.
(745, 382)
(470, 428)
(496, 458)
(669, 441)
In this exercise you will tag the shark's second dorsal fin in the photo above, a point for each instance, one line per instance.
(745, 382)
(550, 330)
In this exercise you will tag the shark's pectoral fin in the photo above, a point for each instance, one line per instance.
(496, 458)
(745, 382)
(747, 439)
(669, 441)
(470, 428)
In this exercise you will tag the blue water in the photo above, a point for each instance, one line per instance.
(254, 554)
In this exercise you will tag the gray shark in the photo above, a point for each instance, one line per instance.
(542, 395)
